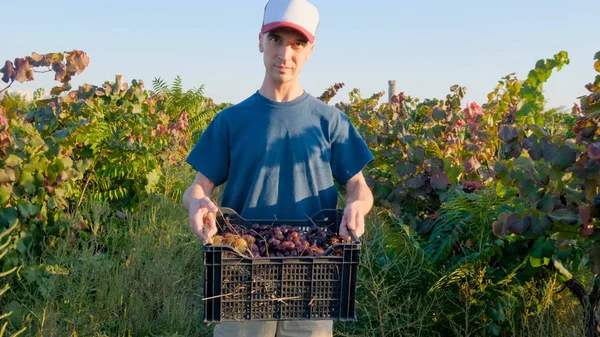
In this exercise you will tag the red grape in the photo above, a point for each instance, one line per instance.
(268, 240)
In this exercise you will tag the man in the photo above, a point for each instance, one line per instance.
(279, 151)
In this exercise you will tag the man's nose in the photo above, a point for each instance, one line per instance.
(285, 53)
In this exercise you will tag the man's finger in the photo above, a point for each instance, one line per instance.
(212, 226)
(212, 207)
(196, 220)
(197, 223)
(343, 232)
(360, 224)
(352, 221)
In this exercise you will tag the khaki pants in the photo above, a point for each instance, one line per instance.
(275, 329)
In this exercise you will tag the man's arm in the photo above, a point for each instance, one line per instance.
(197, 201)
(200, 188)
(359, 203)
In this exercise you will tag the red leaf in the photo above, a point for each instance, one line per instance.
(440, 181)
(508, 133)
(3, 120)
(77, 61)
(471, 164)
(585, 215)
(433, 216)
(473, 185)
(587, 230)
(36, 60)
(59, 68)
(472, 111)
(9, 72)
(594, 151)
(24, 72)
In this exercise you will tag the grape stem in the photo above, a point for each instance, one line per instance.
(266, 243)
(217, 296)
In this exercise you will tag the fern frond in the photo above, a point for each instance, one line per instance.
(453, 277)
(448, 227)
(177, 87)
(109, 195)
(200, 121)
(433, 150)
(493, 251)
(140, 164)
(465, 214)
(159, 85)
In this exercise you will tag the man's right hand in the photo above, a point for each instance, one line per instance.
(202, 213)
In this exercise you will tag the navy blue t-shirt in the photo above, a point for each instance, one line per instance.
(280, 159)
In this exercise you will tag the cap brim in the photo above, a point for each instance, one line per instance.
(274, 25)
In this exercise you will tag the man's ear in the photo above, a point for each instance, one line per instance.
(260, 43)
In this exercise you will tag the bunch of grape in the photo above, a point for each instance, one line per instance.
(278, 241)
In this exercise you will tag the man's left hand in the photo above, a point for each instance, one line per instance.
(353, 219)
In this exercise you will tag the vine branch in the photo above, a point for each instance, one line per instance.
(8, 86)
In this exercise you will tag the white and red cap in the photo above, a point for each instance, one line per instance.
(298, 14)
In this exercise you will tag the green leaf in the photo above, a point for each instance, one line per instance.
(12, 161)
(533, 147)
(28, 209)
(549, 151)
(566, 156)
(416, 155)
(453, 173)
(437, 165)
(524, 163)
(28, 182)
(8, 217)
(543, 248)
(505, 192)
(547, 203)
(67, 162)
(17, 311)
(564, 215)
(415, 182)
(7, 175)
(493, 329)
(4, 195)
(24, 242)
(562, 270)
(539, 120)
(152, 178)
(500, 311)
(438, 114)
(62, 134)
(536, 262)
(136, 109)
(382, 190)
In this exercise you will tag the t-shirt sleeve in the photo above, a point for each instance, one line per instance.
(349, 152)
(210, 155)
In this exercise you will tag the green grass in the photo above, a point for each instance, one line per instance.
(139, 274)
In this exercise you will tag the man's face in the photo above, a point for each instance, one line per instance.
(285, 51)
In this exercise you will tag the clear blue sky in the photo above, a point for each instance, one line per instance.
(426, 46)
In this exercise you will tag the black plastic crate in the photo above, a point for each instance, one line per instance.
(281, 288)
